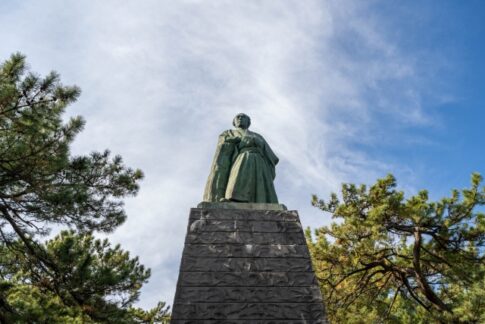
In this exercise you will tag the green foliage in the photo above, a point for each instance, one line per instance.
(396, 260)
(29, 304)
(72, 278)
(40, 183)
(158, 314)
(93, 282)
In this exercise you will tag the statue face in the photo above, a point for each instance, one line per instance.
(241, 121)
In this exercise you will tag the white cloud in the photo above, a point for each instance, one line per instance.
(161, 79)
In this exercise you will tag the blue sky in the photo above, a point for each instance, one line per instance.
(343, 91)
(454, 33)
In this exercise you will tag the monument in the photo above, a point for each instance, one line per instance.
(245, 258)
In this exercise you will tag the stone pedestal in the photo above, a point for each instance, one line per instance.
(246, 266)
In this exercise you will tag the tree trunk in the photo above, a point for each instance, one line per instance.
(421, 279)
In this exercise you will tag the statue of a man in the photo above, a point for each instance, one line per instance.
(243, 168)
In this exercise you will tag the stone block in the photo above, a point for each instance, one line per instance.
(228, 264)
(250, 294)
(246, 250)
(272, 321)
(216, 279)
(250, 311)
(243, 237)
(253, 226)
(236, 214)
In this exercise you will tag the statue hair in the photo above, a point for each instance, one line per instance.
(241, 114)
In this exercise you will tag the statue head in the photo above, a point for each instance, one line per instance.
(241, 121)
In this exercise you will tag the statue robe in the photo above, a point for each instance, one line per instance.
(242, 171)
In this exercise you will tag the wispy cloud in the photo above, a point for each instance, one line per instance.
(161, 80)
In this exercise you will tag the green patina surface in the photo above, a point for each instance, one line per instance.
(243, 168)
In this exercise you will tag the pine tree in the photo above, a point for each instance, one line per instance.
(72, 276)
(391, 259)
(93, 283)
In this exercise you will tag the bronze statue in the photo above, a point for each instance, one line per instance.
(243, 168)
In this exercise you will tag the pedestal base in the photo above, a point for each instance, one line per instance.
(246, 266)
